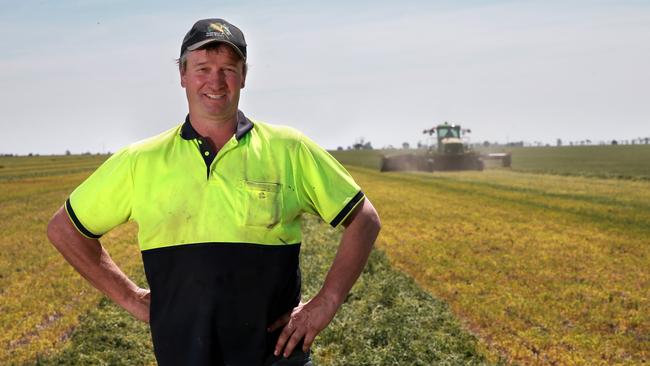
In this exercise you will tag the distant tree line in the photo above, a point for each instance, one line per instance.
(558, 142)
(635, 141)
(360, 144)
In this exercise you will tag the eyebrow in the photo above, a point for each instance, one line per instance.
(200, 63)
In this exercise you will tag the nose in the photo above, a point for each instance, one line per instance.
(217, 77)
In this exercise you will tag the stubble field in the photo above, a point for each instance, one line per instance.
(547, 270)
(543, 269)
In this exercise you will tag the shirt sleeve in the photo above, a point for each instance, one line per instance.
(103, 201)
(323, 185)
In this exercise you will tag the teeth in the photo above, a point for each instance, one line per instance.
(214, 96)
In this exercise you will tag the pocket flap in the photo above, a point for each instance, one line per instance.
(263, 186)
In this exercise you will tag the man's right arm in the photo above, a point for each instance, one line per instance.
(94, 263)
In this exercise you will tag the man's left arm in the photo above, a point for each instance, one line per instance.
(308, 319)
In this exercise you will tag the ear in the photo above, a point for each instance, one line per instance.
(243, 76)
(183, 82)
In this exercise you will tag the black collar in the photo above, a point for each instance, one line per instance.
(243, 126)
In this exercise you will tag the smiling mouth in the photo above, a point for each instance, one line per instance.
(214, 96)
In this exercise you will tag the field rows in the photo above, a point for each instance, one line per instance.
(13, 168)
(546, 269)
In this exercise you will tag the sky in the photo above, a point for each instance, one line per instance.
(90, 75)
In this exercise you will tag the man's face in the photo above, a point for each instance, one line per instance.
(212, 80)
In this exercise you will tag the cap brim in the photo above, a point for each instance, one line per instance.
(198, 45)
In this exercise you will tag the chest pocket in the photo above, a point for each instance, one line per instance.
(263, 203)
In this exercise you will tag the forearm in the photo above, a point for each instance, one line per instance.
(355, 246)
(308, 319)
(95, 264)
(92, 261)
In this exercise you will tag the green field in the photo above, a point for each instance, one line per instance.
(51, 316)
(607, 161)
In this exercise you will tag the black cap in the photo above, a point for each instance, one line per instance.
(214, 30)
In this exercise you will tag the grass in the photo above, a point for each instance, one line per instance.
(41, 297)
(370, 159)
(387, 319)
(106, 335)
(545, 269)
(611, 161)
(51, 316)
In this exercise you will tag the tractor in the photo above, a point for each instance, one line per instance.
(449, 154)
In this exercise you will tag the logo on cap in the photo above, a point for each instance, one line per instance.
(215, 28)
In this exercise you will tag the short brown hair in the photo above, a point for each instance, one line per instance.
(210, 47)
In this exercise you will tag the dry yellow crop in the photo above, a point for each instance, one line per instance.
(545, 269)
(41, 295)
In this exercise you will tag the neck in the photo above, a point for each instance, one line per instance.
(218, 130)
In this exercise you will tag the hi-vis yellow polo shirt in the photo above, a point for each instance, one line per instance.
(219, 232)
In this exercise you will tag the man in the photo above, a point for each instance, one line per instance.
(218, 201)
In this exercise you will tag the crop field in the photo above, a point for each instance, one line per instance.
(42, 297)
(50, 316)
(20, 167)
(546, 270)
(620, 161)
(543, 269)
